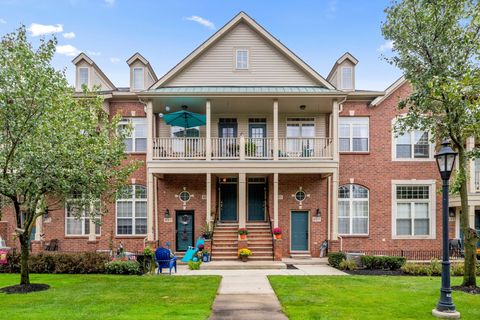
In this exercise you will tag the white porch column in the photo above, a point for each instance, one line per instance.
(242, 200)
(150, 133)
(275, 200)
(275, 129)
(209, 197)
(150, 195)
(38, 228)
(335, 205)
(242, 146)
(471, 165)
(335, 140)
(208, 128)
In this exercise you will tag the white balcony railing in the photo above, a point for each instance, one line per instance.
(179, 148)
(304, 148)
(242, 148)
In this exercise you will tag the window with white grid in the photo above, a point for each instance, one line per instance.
(138, 79)
(413, 145)
(413, 210)
(241, 59)
(136, 141)
(353, 210)
(77, 219)
(131, 210)
(354, 134)
(83, 76)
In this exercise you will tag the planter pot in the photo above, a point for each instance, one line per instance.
(206, 258)
(278, 236)
(244, 258)
(243, 236)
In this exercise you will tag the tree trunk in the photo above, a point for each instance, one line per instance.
(25, 246)
(470, 238)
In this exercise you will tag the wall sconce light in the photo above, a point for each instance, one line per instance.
(302, 107)
(451, 213)
(318, 213)
(167, 213)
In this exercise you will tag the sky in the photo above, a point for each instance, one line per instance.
(164, 32)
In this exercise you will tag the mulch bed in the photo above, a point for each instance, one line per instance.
(25, 288)
(369, 272)
(471, 289)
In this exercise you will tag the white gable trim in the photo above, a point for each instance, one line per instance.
(83, 56)
(391, 89)
(241, 17)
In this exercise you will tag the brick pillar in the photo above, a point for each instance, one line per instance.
(37, 246)
(333, 246)
(277, 249)
(208, 245)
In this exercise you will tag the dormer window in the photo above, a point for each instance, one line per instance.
(138, 79)
(347, 78)
(83, 76)
(242, 59)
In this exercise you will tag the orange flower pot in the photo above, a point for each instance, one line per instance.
(278, 236)
(243, 236)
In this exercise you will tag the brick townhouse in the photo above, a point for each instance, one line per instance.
(280, 146)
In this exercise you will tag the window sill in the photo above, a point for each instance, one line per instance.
(414, 160)
(126, 236)
(413, 238)
(79, 236)
(354, 152)
(354, 235)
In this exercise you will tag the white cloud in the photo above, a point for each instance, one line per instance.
(67, 50)
(387, 46)
(93, 53)
(204, 22)
(114, 60)
(110, 2)
(41, 29)
(3, 21)
(69, 35)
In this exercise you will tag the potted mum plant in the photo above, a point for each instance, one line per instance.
(243, 233)
(244, 254)
(277, 232)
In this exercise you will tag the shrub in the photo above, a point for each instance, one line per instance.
(348, 265)
(334, 258)
(415, 269)
(85, 262)
(432, 269)
(122, 267)
(194, 265)
(244, 252)
(383, 262)
(435, 268)
(458, 269)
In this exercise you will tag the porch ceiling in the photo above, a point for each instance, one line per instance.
(249, 105)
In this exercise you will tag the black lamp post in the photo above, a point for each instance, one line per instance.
(445, 161)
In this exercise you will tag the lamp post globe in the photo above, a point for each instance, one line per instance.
(445, 159)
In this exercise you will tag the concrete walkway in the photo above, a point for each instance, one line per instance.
(247, 293)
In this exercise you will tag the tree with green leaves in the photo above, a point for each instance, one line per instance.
(437, 46)
(53, 146)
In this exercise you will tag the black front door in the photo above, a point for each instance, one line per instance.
(184, 229)
(228, 202)
(256, 201)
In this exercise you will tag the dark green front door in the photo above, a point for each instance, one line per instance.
(256, 201)
(184, 228)
(228, 202)
(299, 237)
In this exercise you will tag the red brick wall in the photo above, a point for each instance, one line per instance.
(376, 170)
(314, 186)
(172, 185)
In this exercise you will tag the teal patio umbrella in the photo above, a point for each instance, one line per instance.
(185, 119)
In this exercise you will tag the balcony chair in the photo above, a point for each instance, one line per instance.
(165, 259)
(52, 245)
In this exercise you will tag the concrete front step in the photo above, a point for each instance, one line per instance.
(237, 264)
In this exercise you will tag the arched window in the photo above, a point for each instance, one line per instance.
(132, 210)
(353, 210)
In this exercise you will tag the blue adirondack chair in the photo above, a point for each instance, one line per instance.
(163, 260)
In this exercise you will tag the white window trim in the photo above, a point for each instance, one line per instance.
(301, 123)
(351, 200)
(133, 136)
(133, 79)
(341, 78)
(133, 218)
(432, 208)
(350, 124)
(431, 149)
(82, 219)
(88, 77)
(236, 59)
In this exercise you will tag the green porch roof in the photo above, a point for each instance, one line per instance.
(243, 89)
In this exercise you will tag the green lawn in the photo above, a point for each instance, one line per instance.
(366, 297)
(111, 297)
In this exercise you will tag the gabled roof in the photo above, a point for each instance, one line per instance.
(84, 57)
(138, 56)
(391, 89)
(242, 17)
(346, 56)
